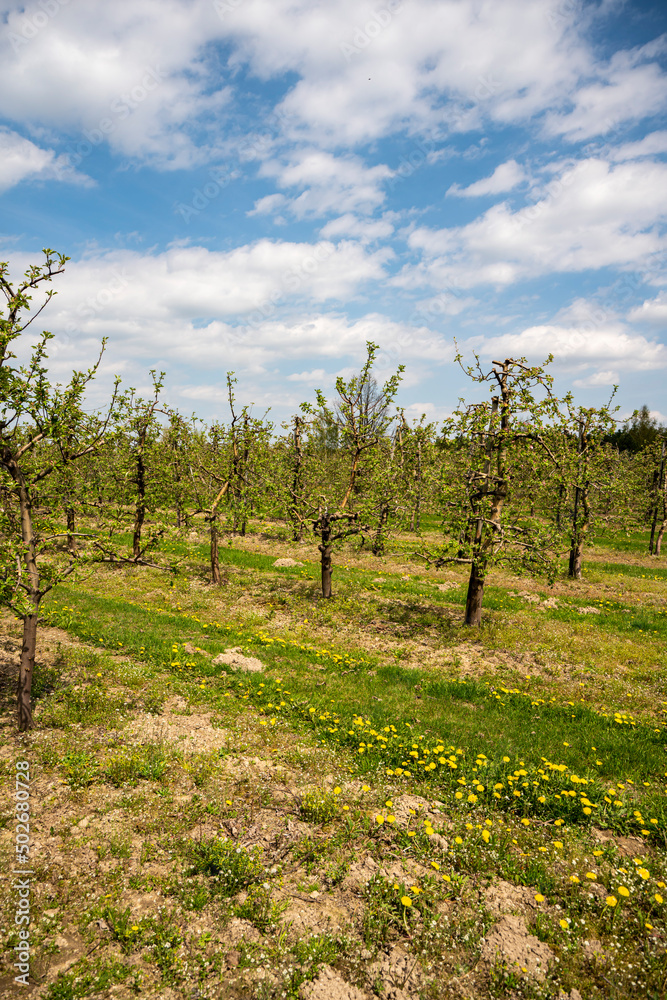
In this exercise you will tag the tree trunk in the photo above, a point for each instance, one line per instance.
(71, 544)
(576, 553)
(215, 560)
(140, 507)
(24, 687)
(578, 533)
(325, 548)
(473, 615)
(660, 502)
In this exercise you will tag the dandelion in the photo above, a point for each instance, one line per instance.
(623, 890)
(539, 898)
(575, 879)
(486, 836)
(592, 876)
(643, 873)
(658, 898)
(564, 924)
(406, 901)
(611, 901)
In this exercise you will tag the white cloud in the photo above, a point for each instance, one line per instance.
(628, 89)
(312, 378)
(651, 311)
(572, 346)
(505, 177)
(364, 230)
(600, 378)
(593, 215)
(361, 71)
(328, 183)
(268, 204)
(652, 144)
(135, 77)
(22, 160)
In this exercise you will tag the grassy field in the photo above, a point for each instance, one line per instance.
(394, 803)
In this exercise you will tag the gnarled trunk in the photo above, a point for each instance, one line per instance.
(325, 548)
(216, 578)
(473, 615)
(26, 667)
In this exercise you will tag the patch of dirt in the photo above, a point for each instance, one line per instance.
(330, 986)
(399, 974)
(305, 916)
(190, 733)
(510, 942)
(503, 898)
(239, 663)
(628, 847)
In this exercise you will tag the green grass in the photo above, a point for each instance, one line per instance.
(465, 714)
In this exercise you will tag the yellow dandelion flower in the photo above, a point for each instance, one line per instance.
(611, 901)
(406, 901)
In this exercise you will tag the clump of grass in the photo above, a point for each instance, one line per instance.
(148, 763)
(260, 909)
(231, 868)
(81, 769)
(88, 705)
(86, 981)
(319, 806)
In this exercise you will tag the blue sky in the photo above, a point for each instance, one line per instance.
(264, 185)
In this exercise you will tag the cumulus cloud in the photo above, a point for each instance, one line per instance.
(362, 229)
(596, 379)
(328, 183)
(593, 215)
(22, 160)
(651, 145)
(631, 87)
(357, 72)
(651, 311)
(607, 344)
(505, 177)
